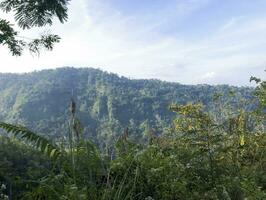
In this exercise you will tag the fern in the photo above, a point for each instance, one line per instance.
(38, 142)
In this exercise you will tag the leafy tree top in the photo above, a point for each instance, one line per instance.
(29, 14)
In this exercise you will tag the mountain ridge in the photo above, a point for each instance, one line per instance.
(116, 74)
(106, 102)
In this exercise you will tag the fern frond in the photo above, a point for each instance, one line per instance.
(38, 142)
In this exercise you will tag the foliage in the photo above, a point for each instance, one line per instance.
(29, 14)
(203, 155)
(21, 167)
(106, 103)
(260, 92)
(2, 195)
(38, 141)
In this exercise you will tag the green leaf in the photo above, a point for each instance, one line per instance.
(39, 142)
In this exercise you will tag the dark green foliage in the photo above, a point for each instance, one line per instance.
(106, 103)
(20, 167)
(46, 42)
(3, 196)
(8, 37)
(211, 152)
(199, 158)
(28, 14)
(260, 92)
(36, 12)
(37, 141)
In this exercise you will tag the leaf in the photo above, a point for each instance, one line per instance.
(39, 142)
(242, 140)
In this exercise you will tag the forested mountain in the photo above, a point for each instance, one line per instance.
(211, 147)
(106, 104)
(79, 134)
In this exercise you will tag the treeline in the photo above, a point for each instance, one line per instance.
(203, 155)
(106, 104)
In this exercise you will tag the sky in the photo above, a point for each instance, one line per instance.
(185, 41)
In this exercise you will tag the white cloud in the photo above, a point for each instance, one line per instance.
(98, 35)
(208, 75)
(231, 23)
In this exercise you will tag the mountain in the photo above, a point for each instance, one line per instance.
(106, 104)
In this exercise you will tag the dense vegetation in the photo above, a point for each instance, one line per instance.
(106, 104)
(210, 150)
(27, 15)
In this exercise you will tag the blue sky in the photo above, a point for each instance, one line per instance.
(186, 41)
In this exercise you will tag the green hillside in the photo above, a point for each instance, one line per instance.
(176, 141)
(106, 103)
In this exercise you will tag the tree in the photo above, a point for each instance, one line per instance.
(260, 91)
(29, 14)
